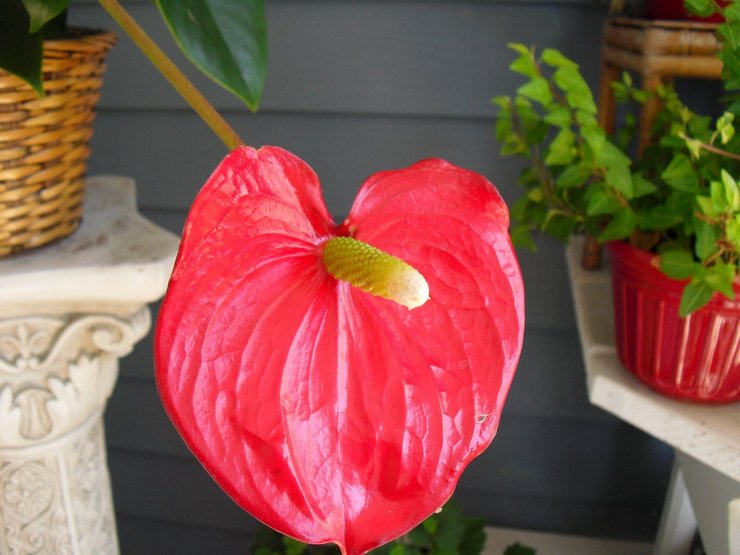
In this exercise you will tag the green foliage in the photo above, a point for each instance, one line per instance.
(448, 532)
(680, 199)
(225, 39)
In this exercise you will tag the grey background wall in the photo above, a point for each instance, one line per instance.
(355, 87)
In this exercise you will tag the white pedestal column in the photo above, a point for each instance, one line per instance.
(68, 312)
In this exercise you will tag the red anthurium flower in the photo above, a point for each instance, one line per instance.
(336, 380)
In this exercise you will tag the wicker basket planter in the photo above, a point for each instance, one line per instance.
(44, 142)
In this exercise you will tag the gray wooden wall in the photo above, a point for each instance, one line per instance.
(355, 87)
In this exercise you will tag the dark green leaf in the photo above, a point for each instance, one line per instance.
(420, 535)
(620, 227)
(695, 295)
(450, 529)
(519, 549)
(560, 226)
(21, 52)
(43, 11)
(293, 547)
(226, 39)
(677, 264)
(474, 537)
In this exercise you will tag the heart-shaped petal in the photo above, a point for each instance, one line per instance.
(331, 414)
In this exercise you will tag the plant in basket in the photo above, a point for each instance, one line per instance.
(50, 80)
(671, 216)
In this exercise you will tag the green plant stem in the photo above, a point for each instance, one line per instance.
(173, 74)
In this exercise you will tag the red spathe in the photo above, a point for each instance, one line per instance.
(330, 414)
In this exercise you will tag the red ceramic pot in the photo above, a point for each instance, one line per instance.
(694, 358)
(674, 9)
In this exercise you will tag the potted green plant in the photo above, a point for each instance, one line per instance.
(671, 217)
(50, 80)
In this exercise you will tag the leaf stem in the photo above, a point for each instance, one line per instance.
(172, 73)
(719, 151)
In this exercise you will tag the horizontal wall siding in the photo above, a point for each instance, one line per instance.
(355, 87)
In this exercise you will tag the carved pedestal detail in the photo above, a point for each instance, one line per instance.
(56, 375)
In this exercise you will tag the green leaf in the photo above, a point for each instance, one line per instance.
(677, 264)
(601, 201)
(538, 89)
(504, 127)
(695, 295)
(519, 549)
(560, 152)
(720, 277)
(725, 127)
(559, 225)
(722, 194)
(621, 227)
(732, 190)
(573, 176)
(558, 115)
(293, 547)
(450, 529)
(702, 8)
(554, 58)
(474, 537)
(620, 178)
(398, 550)
(706, 240)
(43, 11)
(706, 205)
(21, 52)
(226, 39)
(680, 174)
(526, 65)
(642, 186)
(733, 232)
(519, 47)
(610, 156)
(577, 92)
(522, 237)
(420, 536)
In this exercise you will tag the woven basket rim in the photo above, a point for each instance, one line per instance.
(82, 34)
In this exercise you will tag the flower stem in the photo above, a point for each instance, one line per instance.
(173, 74)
